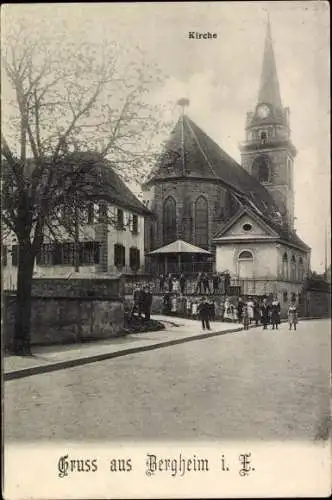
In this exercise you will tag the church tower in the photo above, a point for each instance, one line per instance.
(268, 153)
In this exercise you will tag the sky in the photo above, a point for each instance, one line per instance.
(221, 76)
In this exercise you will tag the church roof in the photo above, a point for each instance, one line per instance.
(269, 92)
(288, 235)
(190, 153)
(283, 233)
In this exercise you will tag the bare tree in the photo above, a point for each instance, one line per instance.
(62, 98)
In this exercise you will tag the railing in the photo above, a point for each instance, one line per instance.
(178, 268)
(237, 287)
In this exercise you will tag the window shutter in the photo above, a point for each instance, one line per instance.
(123, 256)
(135, 224)
(119, 255)
(97, 248)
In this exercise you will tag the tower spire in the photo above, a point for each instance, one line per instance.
(269, 91)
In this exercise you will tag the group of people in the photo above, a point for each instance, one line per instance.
(265, 313)
(251, 311)
(172, 283)
(178, 283)
(257, 312)
(142, 302)
(186, 306)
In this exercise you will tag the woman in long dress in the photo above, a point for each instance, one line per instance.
(251, 310)
(176, 285)
(228, 315)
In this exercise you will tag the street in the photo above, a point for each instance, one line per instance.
(249, 385)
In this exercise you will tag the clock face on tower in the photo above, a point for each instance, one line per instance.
(263, 111)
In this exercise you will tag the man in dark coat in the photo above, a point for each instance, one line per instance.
(206, 283)
(167, 303)
(147, 302)
(199, 283)
(240, 306)
(227, 282)
(182, 283)
(170, 283)
(215, 283)
(204, 313)
(275, 313)
(256, 312)
(161, 283)
(265, 314)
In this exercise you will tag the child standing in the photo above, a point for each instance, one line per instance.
(292, 316)
(195, 309)
(245, 316)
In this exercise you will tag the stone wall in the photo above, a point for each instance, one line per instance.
(317, 304)
(66, 320)
(67, 311)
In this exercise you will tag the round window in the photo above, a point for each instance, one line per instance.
(247, 227)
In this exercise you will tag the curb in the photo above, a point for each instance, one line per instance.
(71, 363)
(60, 365)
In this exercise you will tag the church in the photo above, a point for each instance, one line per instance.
(212, 214)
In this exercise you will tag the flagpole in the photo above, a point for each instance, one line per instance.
(183, 103)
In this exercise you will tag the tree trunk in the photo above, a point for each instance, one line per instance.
(76, 240)
(22, 333)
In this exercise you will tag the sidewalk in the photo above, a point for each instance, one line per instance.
(52, 358)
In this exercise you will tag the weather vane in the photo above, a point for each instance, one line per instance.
(183, 102)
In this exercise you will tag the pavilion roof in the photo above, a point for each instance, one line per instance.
(179, 246)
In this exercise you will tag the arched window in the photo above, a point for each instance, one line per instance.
(293, 268)
(169, 221)
(285, 266)
(245, 264)
(245, 255)
(201, 223)
(260, 169)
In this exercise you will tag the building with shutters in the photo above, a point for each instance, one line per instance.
(243, 214)
(110, 235)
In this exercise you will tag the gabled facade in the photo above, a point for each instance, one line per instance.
(252, 249)
(110, 238)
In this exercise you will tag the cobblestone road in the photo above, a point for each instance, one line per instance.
(250, 385)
